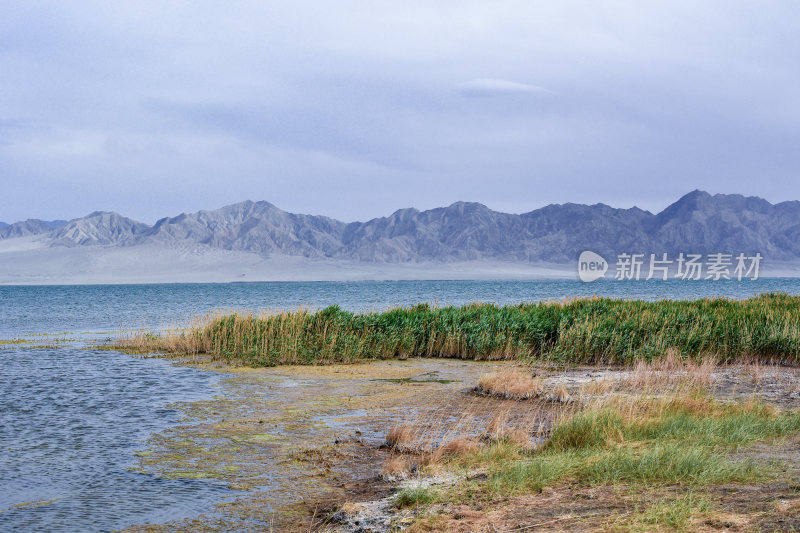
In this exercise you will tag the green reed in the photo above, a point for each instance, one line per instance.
(765, 327)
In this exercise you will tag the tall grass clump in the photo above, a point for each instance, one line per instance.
(603, 330)
(683, 439)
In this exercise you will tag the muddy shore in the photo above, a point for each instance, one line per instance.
(301, 447)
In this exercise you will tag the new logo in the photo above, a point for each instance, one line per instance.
(591, 266)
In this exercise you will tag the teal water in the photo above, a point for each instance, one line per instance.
(72, 418)
(93, 308)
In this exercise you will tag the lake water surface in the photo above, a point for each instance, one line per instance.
(72, 418)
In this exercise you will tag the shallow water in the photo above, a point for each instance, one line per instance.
(71, 422)
(302, 434)
(71, 419)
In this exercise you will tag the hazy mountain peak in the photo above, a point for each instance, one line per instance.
(696, 194)
(99, 227)
(404, 212)
(685, 205)
(251, 226)
(702, 203)
(95, 214)
(467, 205)
(696, 223)
(246, 206)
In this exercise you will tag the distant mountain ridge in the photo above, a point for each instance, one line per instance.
(464, 231)
(32, 226)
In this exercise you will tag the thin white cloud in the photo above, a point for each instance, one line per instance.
(482, 87)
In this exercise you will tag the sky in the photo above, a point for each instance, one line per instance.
(353, 109)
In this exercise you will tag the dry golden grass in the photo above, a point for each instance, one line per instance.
(459, 428)
(514, 383)
(458, 446)
(397, 467)
(402, 436)
(561, 394)
(428, 430)
(598, 387)
(190, 340)
(351, 508)
(497, 426)
(652, 404)
(670, 371)
(519, 429)
(518, 437)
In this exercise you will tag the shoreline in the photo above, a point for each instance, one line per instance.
(372, 398)
(339, 413)
(310, 446)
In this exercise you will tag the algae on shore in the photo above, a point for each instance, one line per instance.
(300, 442)
(291, 434)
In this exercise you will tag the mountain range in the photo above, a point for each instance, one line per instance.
(696, 223)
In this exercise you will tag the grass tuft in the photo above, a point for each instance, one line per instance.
(676, 515)
(682, 440)
(512, 383)
(413, 496)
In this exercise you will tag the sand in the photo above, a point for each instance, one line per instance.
(31, 261)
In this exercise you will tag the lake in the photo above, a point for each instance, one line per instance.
(74, 417)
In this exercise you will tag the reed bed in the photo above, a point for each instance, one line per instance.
(592, 330)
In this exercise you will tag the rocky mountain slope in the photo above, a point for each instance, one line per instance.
(100, 228)
(696, 223)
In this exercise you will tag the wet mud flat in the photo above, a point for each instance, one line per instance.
(294, 442)
(304, 448)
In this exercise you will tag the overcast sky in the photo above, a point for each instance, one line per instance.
(355, 109)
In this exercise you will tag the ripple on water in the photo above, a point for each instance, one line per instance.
(72, 420)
